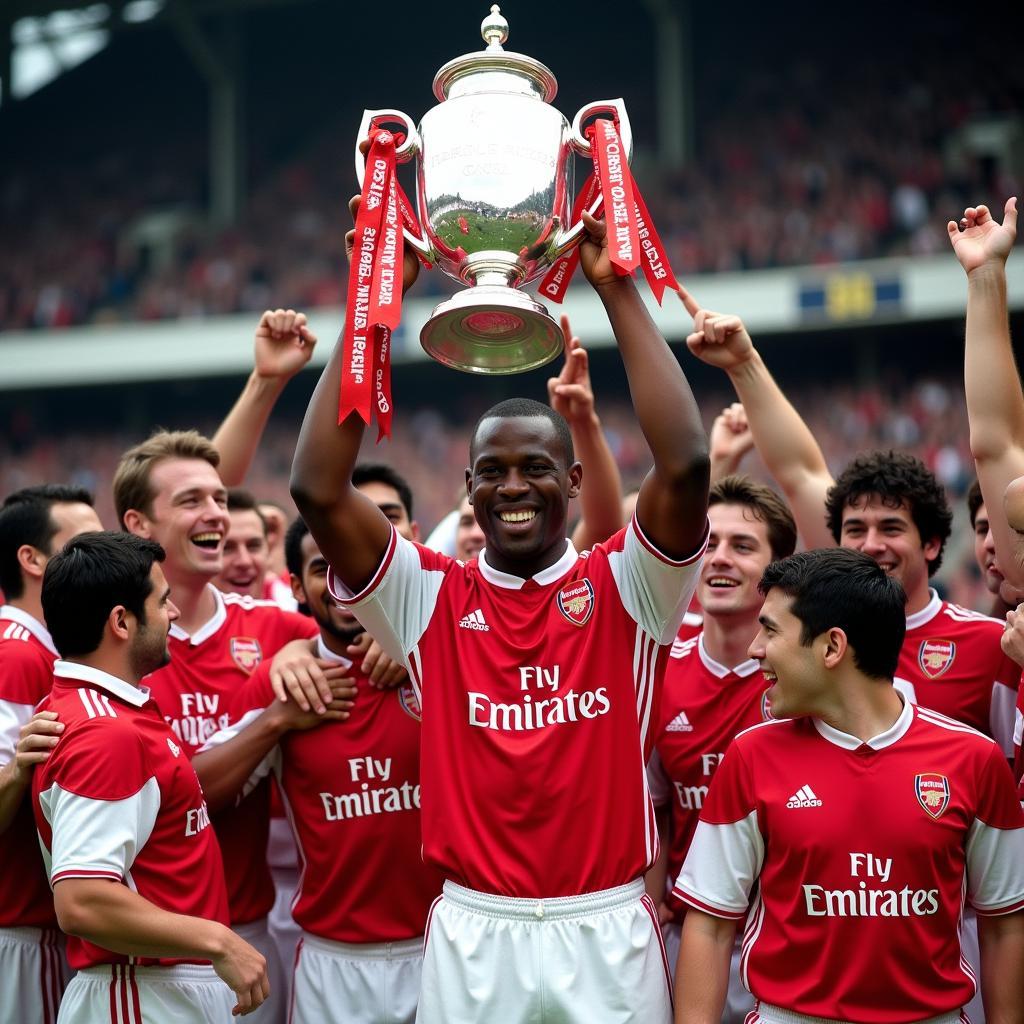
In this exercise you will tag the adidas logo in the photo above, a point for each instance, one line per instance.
(803, 797)
(679, 724)
(474, 620)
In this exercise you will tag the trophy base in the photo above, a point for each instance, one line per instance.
(491, 329)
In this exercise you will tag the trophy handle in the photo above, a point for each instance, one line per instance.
(580, 144)
(403, 154)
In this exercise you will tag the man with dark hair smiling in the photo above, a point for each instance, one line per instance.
(538, 671)
(850, 834)
(135, 869)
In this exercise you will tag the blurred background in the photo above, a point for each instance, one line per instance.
(170, 168)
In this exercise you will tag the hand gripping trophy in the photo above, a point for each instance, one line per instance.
(494, 188)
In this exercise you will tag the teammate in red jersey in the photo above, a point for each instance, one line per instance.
(352, 793)
(713, 689)
(168, 489)
(850, 834)
(246, 551)
(135, 870)
(35, 523)
(539, 672)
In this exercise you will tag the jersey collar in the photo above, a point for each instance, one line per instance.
(326, 654)
(208, 628)
(716, 668)
(927, 613)
(551, 574)
(134, 695)
(31, 623)
(879, 742)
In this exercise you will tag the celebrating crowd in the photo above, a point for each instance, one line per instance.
(310, 765)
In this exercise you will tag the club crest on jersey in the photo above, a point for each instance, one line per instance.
(576, 601)
(410, 704)
(246, 652)
(932, 792)
(936, 656)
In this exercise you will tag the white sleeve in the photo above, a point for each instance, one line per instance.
(654, 588)
(658, 781)
(721, 867)
(995, 868)
(397, 603)
(442, 538)
(1018, 728)
(229, 732)
(12, 717)
(1002, 712)
(98, 838)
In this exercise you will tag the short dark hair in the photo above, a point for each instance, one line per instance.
(293, 538)
(846, 589)
(974, 501)
(895, 477)
(241, 500)
(25, 518)
(379, 473)
(92, 574)
(512, 408)
(766, 506)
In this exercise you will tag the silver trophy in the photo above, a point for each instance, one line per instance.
(494, 190)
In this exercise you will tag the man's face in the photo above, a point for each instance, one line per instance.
(387, 499)
(798, 677)
(189, 517)
(245, 555)
(469, 538)
(890, 537)
(520, 486)
(149, 644)
(985, 552)
(311, 590)
(737, 556)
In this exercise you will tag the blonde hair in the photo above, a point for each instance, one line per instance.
(132, 486)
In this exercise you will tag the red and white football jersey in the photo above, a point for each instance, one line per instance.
(351, 792)
(26, 677)
(952, 658)
(703, 706)
(538, 699)
(118, 799)
(851, 862)
(1018, 734)
(195, 692)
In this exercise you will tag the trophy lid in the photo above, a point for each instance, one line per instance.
(495, 69)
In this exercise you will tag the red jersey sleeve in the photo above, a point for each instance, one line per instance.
(256, 694)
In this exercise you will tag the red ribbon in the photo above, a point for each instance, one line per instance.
(374, 304)
(632, 238)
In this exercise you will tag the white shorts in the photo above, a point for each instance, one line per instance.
(274, 1009)
(119, 994)
(738, 1001)
(591, 959)
(372, 983)
(33, 974)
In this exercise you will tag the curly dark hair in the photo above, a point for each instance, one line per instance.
(895, 477)
(974, 501)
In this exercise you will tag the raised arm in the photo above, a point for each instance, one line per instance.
(349, 529)
(995, 404)
(783, 440)
(673, 502)
(571, 394)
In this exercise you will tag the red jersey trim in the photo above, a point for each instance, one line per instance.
(1011, 908)
(85, 873)
(661, 556)
(377, 576)
(708, 908)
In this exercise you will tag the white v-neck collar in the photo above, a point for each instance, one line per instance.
(716, 668)
(208, 628)
(927, 613)
(120, 688)
(545, 577)
(885, 739)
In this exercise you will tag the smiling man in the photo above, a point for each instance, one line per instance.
(538, 671)
(850, 835)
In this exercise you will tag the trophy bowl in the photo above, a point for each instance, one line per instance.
(494, 190)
